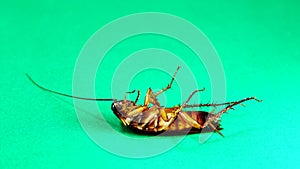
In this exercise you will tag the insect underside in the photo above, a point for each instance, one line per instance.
(157, 119)
(152, 118)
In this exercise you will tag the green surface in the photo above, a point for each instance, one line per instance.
(258, 44)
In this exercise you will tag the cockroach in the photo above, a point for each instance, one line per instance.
(151, 118)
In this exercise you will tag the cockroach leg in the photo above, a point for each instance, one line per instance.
(191, 121)
(125, 93)
(219, 114)
(194, 92)
(136, 111)
(150, 98)
(185, 103)
(209, 104)
(137, 97)
(215, 129)
(147, 98)
(169, 85)
(128, 93)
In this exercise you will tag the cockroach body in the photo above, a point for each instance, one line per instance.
(151, 118)
(151, 122)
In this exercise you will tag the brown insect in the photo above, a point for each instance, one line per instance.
(152, 118)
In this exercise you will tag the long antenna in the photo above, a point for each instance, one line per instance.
(62, 94)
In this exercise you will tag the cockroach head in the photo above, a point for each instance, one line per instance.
(120, 107)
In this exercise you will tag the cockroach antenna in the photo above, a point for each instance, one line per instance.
(62, 94)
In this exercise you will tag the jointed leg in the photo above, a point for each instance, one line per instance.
(137, 97)
(192, 122)
(169, 85)
(208, 104)
(218, 115)
(185, 103)
(189, 119)
(195, 124)
(150, 98)
(213, 104)
(215, 129)
(128, 93)
(211, 119)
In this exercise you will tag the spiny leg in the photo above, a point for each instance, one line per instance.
(169, 85)
(208, 104)
(215, 117)
(194, 122)
(150, 98)
(218, 115)
(211, 104)
(150, 115)
(215, 129)
(190, 120)
(128, 93)
(137, 97)
(185, 103)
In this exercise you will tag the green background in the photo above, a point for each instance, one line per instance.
(258, 44)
